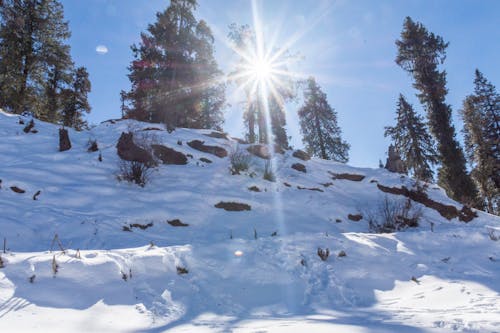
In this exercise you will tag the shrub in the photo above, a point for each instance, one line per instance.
(92, 146)
(134, 172)
(240, 161)
(393, 216)
(181, 270)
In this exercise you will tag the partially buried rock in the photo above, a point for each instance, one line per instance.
(17, 189)
(233, 206)
(299, 167)
(254, 189)
(205, 160)
(300, 154)
(217, 135)
(177, 223)
(214, 150)
(64, 142)
(355, 217)
(168, 155)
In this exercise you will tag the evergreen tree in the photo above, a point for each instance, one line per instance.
(175, 79)
(75, 102)
(412, 142)
(34, 61)
(318, 122)
(481, 116)
(419, 53)
(266, 112)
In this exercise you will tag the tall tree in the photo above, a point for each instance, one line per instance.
(412, 142)
(265, 96)
(75, 101)
(175, 79)
(419, 53)
(34, 59)
(481, 116)
(318, 122)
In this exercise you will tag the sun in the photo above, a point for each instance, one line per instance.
(261, 69)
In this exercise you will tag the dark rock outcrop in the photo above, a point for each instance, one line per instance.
(300, 154)
(233, 206)
(129, 151)
(449, 212)
(347, 176)
(177, 223)
(168, 155)
(214, 150)
(355, 217)
(217, 135)
(17, 189)
(299, 167)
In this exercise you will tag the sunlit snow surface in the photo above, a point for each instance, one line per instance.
(241, 284)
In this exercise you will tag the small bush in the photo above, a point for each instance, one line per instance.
(181, 270)
(392, 216)
(268, 172)
(323, 254)
(134, 172)
(240, 161)
(92, 146)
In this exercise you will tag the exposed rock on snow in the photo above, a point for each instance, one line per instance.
(168, 155)
(233, 206)
(214, 150)
(129, 151)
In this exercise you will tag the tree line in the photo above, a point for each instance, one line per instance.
(175, 80)
(420, 53)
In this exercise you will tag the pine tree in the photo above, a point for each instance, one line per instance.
(481, 116)
(35, 63)
(75, 102)
(318, 122)
(175, 79)
(412, 142)
(265, 108)
(419, 53)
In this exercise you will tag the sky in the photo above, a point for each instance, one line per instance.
(347, 45)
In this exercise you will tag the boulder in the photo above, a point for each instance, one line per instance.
(299, 167)
(300, 154)
(214, 150)
(168, 155)
(233, 206)
(129, 151)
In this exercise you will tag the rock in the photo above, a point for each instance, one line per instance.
(214, 150)
(29, 126)
(299, 167)
(129, 151)
(300, 154)
(17, 189)
(151, 129)
(168, 155)
(93, 147)
(233, 206)
(254, 189)
(177, 223)
(64, 142)
(287, 185)
(206, 160)
(342, 254)
(466, 214)
(355, 217)
(347, 176)
(217, 135)
(310, 188)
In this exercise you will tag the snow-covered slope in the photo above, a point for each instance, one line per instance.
(248, 271)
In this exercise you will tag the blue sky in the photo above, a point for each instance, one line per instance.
(347, 45)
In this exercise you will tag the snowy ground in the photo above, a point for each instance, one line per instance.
(428, 279)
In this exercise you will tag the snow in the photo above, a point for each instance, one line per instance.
(239, 283)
